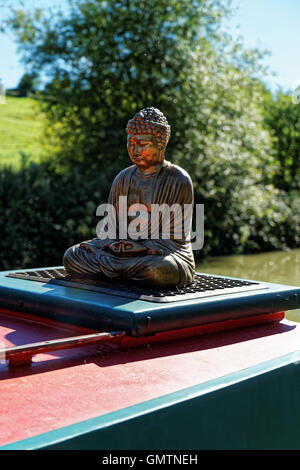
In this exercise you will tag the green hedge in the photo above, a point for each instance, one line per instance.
(43, 213)
(251, 220)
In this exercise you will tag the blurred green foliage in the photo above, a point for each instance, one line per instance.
(282, 118)
(27, 84)
(106, 60)
(43, 213)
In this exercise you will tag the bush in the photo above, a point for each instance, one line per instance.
(104, 61)
(43, 213)
(282, 119)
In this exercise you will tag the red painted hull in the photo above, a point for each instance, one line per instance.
(65, 387)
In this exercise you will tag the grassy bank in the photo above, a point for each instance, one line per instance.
(21, 127)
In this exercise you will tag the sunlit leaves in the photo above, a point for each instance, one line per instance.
(103, 61)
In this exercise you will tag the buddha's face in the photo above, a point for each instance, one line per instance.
(144, 151)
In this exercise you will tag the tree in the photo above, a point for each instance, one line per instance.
(282, 118)
(104, 61)
(27, 84)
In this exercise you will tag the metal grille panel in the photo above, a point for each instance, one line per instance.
(203, 286)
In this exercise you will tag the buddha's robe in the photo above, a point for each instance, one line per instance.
(166, 256)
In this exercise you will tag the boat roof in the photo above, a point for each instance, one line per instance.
(111, 308)
(69, 388)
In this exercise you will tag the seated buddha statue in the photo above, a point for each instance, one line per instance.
(161, 254)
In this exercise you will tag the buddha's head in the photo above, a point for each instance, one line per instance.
(147, 137)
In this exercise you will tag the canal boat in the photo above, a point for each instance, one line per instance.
(107, 365)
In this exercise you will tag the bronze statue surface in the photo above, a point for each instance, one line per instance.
(154, 249)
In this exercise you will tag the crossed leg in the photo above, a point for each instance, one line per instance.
(150, 269)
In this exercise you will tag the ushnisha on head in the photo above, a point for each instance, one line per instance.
(150, 121)
(148, 135)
